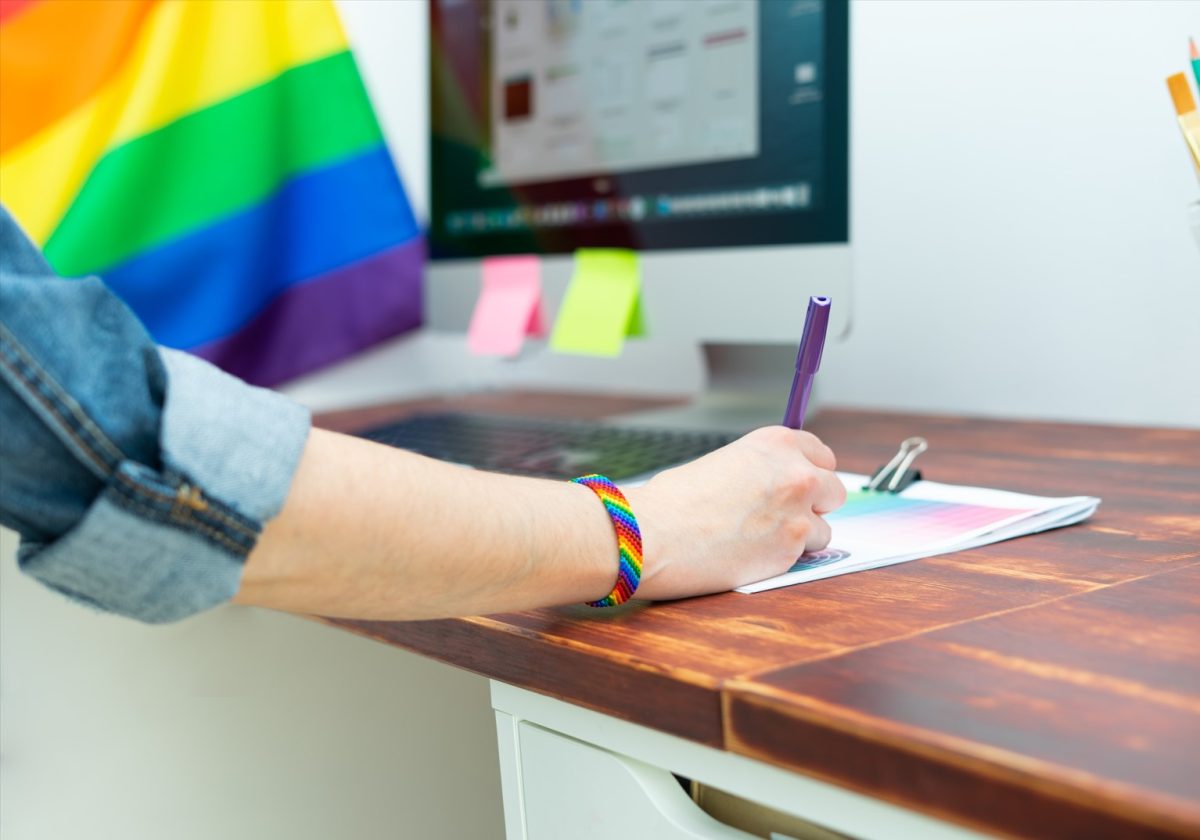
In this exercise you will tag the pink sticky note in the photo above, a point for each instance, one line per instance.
(509, 307)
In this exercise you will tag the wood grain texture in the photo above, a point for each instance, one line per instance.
(1044, 686)
(1086, 708)
(491, 647)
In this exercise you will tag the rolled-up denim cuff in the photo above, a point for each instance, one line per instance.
(160, 545)
(122, 562)
(236, 442)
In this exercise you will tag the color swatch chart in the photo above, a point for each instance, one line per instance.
(897, 519)
(876, 529)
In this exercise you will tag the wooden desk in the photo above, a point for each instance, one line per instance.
(1046, 686)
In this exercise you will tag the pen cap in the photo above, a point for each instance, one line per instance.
(816, 322)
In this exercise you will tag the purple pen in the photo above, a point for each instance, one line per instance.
(808, 359)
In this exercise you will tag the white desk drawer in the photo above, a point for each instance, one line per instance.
(575, 790)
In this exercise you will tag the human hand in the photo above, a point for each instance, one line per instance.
(740, 514)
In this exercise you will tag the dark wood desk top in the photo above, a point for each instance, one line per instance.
(1047, 686)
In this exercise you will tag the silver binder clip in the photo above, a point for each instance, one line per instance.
(898, 473)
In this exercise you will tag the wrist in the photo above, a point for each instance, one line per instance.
(588, 543)
(650, 522)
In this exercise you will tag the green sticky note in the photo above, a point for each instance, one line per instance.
(603, 304)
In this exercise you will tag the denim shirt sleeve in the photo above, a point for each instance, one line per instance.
(138, 477)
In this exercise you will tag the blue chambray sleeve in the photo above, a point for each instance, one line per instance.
(138, 477)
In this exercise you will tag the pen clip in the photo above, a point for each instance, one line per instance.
(897, 473)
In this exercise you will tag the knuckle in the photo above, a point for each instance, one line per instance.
(771, 435)
(797, 530)
(804, 483)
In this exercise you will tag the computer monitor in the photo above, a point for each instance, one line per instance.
(709, 135)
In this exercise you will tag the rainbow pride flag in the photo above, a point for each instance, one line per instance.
(219, 164)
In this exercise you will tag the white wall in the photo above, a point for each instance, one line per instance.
(390, 40)
(1019, 198)
(239, 724)
(1019, 194)
(1019, 219)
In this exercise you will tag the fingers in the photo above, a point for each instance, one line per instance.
(779, 438)
(819, 534)
(817, 452)
(829, 494)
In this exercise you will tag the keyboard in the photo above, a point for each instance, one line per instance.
(546, 448)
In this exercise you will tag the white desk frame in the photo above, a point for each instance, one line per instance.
(571, 772)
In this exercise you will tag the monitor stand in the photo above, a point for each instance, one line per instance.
(747, 387)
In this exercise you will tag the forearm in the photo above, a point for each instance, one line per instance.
(373, 532)
(140, 480)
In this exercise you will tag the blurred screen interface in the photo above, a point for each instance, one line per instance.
(559, 124)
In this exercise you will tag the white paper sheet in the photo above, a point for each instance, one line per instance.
(879, 529)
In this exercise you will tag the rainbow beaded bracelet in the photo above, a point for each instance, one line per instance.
(629, 539)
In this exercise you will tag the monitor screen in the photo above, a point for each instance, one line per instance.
(646, 124)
